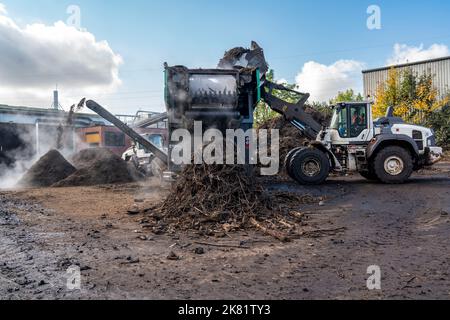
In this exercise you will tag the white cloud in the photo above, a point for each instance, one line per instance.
(3, 9)
(281, 81)
(323, 82)
(404, 53)
(36, 57)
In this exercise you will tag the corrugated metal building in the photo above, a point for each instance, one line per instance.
(439, 68)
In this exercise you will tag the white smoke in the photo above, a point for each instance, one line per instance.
(24, 157)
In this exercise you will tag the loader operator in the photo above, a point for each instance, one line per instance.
(357, 119)
(358, 123)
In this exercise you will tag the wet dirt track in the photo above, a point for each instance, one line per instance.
(403, 229)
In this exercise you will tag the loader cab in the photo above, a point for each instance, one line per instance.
(351, 123)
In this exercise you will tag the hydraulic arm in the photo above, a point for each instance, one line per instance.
(292, 112)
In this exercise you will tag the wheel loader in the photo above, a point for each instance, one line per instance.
(385, 149)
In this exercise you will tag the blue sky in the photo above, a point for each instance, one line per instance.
(197, 32)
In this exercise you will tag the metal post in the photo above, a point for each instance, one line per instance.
(55, 100)
(37, 138)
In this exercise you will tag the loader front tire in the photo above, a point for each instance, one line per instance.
(393, 165)
(369, 175)
(287, 161)
(310, 166)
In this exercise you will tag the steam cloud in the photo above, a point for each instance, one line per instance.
(24, 156)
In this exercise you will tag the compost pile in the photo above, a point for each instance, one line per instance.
(231, 57)
(90, 167)
(98, 166)
(49, 169)
(217, 199)
(290, 136)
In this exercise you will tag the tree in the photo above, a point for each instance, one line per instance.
(388, 94)
(325, 109)
(440, 122)
(263, 112)
(413, 97)
(347, 96)
(426, 101)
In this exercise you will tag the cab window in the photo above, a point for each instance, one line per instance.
(157, 140)
(340, 122)
(358, 120)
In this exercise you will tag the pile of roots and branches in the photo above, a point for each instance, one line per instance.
(290, 137)
(217, 199)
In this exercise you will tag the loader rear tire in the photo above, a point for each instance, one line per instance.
(310, 166)
(393, 165)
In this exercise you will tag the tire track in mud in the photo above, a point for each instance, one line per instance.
(26, 268)
(403, 229)
(391, 226)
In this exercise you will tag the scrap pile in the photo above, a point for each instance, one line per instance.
(217, 199)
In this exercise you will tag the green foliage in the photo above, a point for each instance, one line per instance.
(347, 96)
(323, 108)
(440, 122)
(407, 91)
(263, 112)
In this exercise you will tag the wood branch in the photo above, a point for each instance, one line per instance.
(220, 245)
(321, 232)
(277, 235)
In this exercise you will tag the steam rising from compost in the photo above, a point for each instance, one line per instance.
(14, 163)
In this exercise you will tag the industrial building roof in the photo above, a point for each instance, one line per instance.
(20, 114)
(406, 64)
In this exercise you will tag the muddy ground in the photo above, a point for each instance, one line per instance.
(403, 229)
